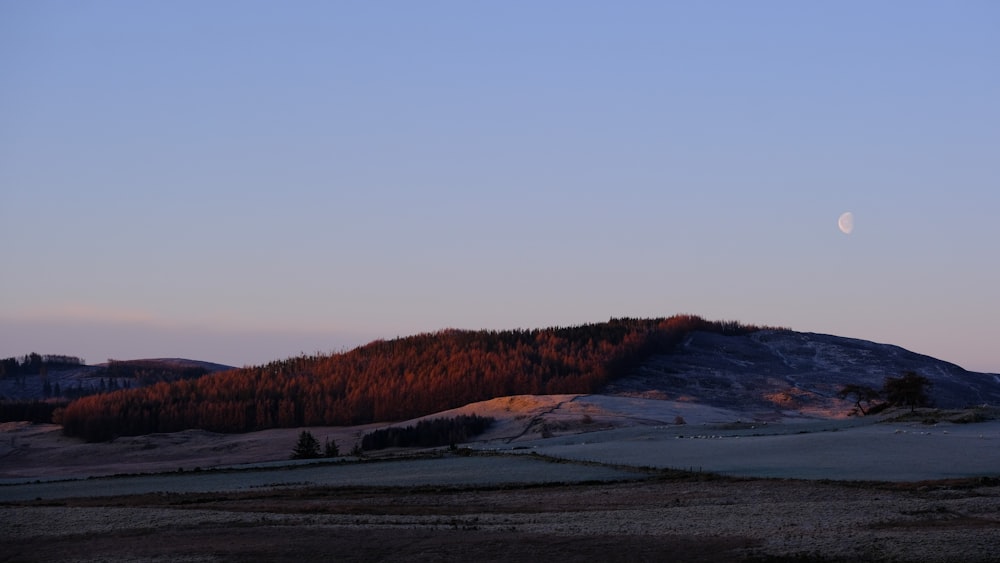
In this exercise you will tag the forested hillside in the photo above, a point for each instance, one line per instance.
(388, 380)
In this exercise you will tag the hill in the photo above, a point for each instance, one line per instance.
(37, 377)
(784, 370)
(728, 365)
(389, 380)
(34, 387)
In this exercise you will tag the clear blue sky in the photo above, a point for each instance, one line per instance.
(242, 181)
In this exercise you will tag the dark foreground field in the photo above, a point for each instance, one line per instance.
(601, 487)
(667, 517)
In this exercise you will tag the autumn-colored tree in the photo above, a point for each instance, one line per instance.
(388, 380)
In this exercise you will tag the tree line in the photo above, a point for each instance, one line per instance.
(18, 370)
(388, 380)
(147, 372)
(428, 433)
(36, 364)
(31, 411)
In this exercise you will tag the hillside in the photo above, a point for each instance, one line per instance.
(34, 387)
(389, 380)
(726, 365)
(36, 377)
(792, 371)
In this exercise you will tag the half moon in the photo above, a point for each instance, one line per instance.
(846, 223)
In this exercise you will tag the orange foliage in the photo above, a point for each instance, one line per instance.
(387, 380)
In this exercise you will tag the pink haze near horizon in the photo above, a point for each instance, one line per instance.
(240, 182)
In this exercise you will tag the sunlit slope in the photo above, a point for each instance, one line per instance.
(390, 380)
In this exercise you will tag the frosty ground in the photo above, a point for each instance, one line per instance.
(570, 477)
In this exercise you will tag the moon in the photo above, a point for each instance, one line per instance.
(846, 223)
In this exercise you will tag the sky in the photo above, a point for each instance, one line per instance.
(240, 181)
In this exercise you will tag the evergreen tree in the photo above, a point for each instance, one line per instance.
(307, 447)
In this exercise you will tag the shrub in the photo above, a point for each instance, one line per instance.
(330, 449)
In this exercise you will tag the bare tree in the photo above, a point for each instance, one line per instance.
(861, 394)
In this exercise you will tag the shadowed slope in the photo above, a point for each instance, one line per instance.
(793, 371)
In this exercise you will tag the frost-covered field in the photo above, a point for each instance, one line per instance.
(834, 450)
(446, 471)
(501, 504)
(619, 431)
(839, 450)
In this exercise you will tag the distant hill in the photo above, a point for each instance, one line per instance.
(686, 358)
(34, 387)
(35, 377)
(156, 370)
(173, 363)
